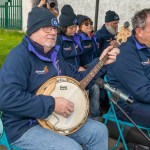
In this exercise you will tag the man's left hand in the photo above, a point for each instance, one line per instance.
(112, 54)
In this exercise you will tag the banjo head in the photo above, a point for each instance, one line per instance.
(63, 86)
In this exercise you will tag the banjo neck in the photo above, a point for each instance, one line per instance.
(84, 82)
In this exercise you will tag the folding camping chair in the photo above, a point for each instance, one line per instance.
(3, 137)
(111, 116)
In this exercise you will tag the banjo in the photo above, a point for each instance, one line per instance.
(69, 88)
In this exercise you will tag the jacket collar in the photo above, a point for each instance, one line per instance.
(38, 50)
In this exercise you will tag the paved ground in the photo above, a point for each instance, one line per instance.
(2, 148)
(112, 142)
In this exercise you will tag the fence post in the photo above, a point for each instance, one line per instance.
(11, 14)
(6, 14)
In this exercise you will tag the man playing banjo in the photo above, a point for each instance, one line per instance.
(34, 61)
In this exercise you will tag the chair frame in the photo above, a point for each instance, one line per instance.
(3, 137)
(111, 115)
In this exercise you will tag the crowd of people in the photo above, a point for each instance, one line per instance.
(68, 46)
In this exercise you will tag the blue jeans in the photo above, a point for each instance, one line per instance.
(94, 97)
(93, 135)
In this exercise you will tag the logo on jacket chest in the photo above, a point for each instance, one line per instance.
(146, 62)
(44, 71)
(68, 48)
(88, 46)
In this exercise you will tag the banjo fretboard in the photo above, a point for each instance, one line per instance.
(84, 82)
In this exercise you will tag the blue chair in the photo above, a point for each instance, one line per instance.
(111, 116)
(3, 137)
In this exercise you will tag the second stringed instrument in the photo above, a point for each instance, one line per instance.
(122, 36)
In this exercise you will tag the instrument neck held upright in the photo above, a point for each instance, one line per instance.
(93, 72)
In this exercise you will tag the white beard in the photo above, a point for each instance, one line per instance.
(49, 45)
(111, 30)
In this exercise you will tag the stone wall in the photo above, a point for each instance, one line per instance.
(125, 8)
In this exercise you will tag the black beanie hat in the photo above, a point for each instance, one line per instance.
(81, 18)
(67, 17)
(111, 16)
(40, 17)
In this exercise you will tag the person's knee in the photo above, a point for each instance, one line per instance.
(103, 131)
(100, 131)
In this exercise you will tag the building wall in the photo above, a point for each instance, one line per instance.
(26, 7)
(125, 8)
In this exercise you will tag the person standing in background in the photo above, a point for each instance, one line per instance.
(51, 5)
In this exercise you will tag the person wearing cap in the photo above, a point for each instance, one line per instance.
(30, 64)
(90, 46)
(71, 48)
(106, 35)
(131, 72)
(91, 50)
(67, 38)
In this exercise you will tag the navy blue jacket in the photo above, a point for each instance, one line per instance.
(25, 69)
(104, 37)
(131, 73)
(90, 48)
(69, 48)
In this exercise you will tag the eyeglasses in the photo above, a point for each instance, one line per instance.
(49, 29)
(88, 23)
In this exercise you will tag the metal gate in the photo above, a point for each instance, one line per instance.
(11, 14)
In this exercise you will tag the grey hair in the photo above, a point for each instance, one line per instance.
(139, 19)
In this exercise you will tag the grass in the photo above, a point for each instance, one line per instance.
(8, 40)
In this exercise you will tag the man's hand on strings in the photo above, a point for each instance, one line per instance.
(63, 106)
(112, 54)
